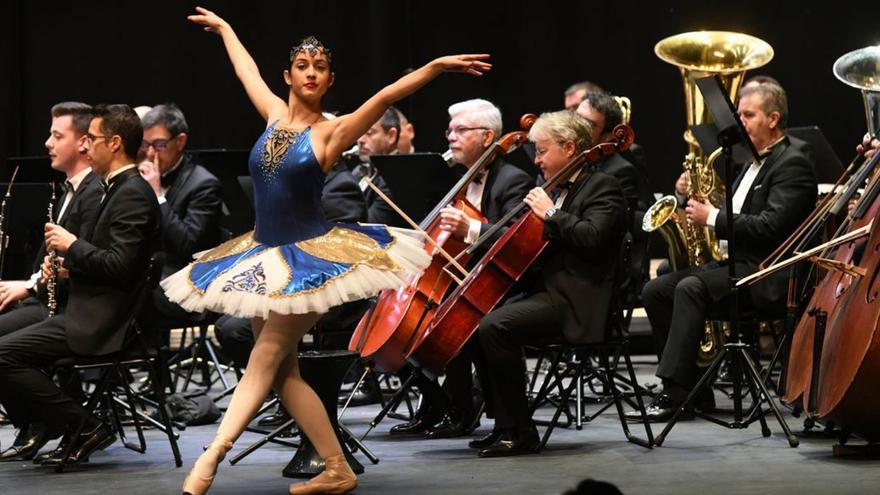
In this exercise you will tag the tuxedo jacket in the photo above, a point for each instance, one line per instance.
(780, 198)
(341, 197)
(191, 215)
(81, 212)
(579, 264)
(506, 187)
(107, 262)
(378, 211)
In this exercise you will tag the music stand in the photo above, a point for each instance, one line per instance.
(736, 145)
(828, 166)
(418, 181)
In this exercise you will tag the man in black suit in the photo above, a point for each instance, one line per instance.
(103, 263)
(603, 113)
(569, 300)
(771, 197)
(23, 302)
(473, 126)
(380, 139)
(190, 199)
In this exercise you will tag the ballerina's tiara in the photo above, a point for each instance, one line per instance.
(310, 45)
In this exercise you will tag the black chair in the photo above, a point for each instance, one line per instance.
(114, 377)
(597, 363)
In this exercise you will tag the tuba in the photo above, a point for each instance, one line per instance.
(861, 70)
(701, 54)
(697, 55)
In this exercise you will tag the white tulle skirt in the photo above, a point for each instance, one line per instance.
(245, 278)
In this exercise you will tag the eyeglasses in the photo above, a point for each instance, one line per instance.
(91, 137)
(458, 131)
(157, 144)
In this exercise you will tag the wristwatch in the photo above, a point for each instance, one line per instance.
(549, 213)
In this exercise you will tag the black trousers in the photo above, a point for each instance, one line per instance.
(677, 305)
(27, 312)
(27, 392)
(236, 338)
(501, 335)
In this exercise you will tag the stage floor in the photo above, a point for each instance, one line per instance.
(697, 457)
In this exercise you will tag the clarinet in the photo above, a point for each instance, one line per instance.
(52, 301)
(4, 218)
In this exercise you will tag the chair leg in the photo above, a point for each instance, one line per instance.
(164, 414)
(563, 403)
(618, 399)
(90, 407)
(141, 447)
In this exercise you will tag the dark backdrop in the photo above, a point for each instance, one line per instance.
(146, 52)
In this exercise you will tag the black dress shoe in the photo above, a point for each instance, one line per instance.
(514, 442)
(46, 456)
(86, 443)
(661, 410)
(453, 425)
(27, 443)
(424, 418)
(483, 442)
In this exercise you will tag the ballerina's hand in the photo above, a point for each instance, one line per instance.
(469, 64)
(212, 22)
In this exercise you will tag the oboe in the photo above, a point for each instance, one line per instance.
(52, 302)
(4, 218)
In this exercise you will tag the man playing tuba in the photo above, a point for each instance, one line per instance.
(771, 197)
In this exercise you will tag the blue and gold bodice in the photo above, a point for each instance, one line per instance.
(287, 182)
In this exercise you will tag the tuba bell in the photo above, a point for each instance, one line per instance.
(697, 55)
(861, 70)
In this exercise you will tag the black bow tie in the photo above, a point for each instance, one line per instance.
(67, 187)
(105, 186)
(565, 186)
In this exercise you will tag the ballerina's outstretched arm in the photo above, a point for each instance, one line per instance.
(265, 101)
(345, 130)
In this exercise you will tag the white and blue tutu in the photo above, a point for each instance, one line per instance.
(295, 261)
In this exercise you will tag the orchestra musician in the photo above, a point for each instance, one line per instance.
(473, 126)
(568, 300)
(102, 264)
(771, 197)
(190, 198)
(23, 302)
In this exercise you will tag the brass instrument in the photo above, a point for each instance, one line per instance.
(625, 107)
(861, 70)
(701, 54)
(51, 291)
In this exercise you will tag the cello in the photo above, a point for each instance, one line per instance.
(386, 329)
(506, 261)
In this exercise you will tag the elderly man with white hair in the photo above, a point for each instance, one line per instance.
(473, 126)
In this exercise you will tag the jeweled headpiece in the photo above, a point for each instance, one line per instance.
(310, 45)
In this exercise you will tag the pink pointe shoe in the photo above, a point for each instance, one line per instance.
(337, 478)
(202, 474)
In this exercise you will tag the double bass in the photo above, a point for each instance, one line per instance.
(383, 334)
(857, 69)
(506, 261)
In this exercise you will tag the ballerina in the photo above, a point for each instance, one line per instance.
(295, 264)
